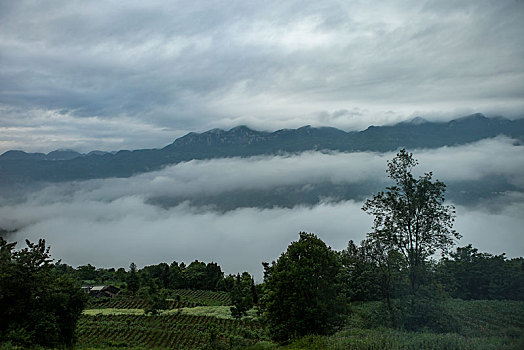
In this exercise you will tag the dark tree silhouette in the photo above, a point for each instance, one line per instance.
(38, 304)
(411, 216)
(302, 290)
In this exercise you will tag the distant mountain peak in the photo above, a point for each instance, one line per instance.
(64, 150)
(241, 141)
(63, 154)
(416, 121)
(471, 117)
(241, 128)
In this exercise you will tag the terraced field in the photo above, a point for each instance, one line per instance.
(171, 331)
(188, 298)
(203, 297)
(204, 319)
(483, 325)
(136, 303)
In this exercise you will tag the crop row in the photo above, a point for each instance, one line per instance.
(488, 318)
(168, 331)
(204, 297)
(136, 303)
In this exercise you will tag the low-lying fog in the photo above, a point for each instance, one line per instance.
(112, 222)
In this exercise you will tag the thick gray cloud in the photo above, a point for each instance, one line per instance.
(497, 157)
(116, 233)
(111, 222)
(138, 74)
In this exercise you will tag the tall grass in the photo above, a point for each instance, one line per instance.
(482, 325)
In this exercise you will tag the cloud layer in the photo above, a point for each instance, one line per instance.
(138, 74)
(498, 157)
(112, 222)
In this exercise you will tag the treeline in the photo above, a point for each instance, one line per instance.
(308, 290)
(464, 274)
(38, 305)
(197, 275)
(467, 274)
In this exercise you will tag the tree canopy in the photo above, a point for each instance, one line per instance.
(38, 305)
(411, 217)
(302, 293)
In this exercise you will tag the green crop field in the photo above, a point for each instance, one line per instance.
(134, 303)
(188, 299)
(203, 297)
(174, 331)
(482, 325)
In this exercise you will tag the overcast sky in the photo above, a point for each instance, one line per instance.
(137, 74)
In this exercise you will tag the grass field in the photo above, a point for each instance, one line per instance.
(483, 325)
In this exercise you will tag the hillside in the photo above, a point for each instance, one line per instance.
(66, 165)
(480, 325)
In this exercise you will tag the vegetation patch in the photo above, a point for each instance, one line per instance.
(110, 311)
(203, 297)
(223, 312)
(169, 331)
(387, 338)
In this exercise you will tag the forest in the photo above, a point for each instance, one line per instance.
(408, 284)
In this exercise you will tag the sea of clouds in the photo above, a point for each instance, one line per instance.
(112, 222)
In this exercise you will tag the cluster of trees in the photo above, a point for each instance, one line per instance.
(38, 305)
(302, 290)
(467, 274)
(464, 274)
(244, 295)
(196, 275)
(306, 289)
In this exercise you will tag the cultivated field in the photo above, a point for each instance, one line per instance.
(204, 322)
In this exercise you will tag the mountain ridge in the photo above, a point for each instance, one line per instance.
(241, 141)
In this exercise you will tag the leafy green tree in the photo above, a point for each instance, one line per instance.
(157, 302)
(469, 274)
(176, 279)
(254, 292)
(226, 284)
(38, 304)
(195, 275)
(155, 276)
(411, 217)
(242, 295)
(121, 274)
(86, 273)
(133, 281)
(213, 275)
(361, 280)
(302, 290)
(372, 272)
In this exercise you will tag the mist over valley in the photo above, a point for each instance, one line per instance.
(240, 210)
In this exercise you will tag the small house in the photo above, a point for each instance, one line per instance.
(102, 291)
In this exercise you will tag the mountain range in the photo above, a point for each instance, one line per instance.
(18, 167)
